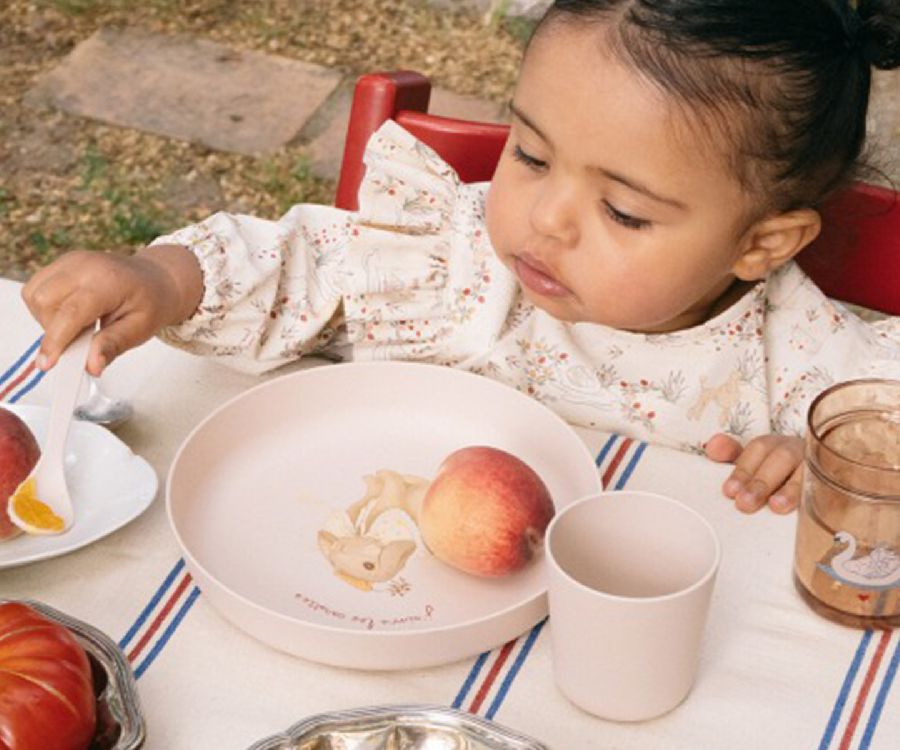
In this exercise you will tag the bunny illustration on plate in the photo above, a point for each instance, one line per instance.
(372, 539)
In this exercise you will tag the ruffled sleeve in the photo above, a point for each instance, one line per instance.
(411, 275)
(272, 289)
(423, 282)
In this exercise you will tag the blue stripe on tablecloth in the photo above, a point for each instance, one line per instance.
(21, 360)
(470, 679)
(167, 633)
(29, 386)
(151, 605)
(880, 699)
(604, 451)
(844, 692)
(514, 669)
(635, 458)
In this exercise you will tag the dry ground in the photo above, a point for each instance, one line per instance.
(67, 182)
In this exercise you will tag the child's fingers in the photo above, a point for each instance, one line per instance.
(46, 289)
(50, 299)
(787, 498)
(117, 336)
(35, 282)
(96, 359)
(42, 293)
(722, 448)
(746, 465)
(70, 318)
(763, 468)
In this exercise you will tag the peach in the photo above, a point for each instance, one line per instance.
(19, 453)
(485, 512)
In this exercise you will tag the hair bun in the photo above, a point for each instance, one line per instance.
(879, 32)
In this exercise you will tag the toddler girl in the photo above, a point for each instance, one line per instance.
(630, 264)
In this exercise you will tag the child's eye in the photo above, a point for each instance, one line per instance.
(626, 220)
(527, 159)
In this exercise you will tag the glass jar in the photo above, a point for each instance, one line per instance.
(847, 553)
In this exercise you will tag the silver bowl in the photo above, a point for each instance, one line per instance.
(120, 723)
(411, 727)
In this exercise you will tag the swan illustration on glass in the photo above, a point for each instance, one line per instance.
(879, 570)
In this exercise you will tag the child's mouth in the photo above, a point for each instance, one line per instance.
(533, 276)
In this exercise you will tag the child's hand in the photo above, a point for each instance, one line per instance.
(768, 469)
(132, 296)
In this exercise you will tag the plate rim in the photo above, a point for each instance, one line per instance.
(323, 628)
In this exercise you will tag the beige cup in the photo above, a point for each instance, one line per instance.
(630, 575)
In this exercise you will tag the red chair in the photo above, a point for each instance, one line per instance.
(855, 259)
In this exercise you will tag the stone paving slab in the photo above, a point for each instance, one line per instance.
(193, 89)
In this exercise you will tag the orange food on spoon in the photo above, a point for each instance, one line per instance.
(35, 515)
(19, 453)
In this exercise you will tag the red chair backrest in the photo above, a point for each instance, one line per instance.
(855, 259)
(471, 148)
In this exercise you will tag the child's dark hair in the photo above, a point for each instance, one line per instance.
(796, 72)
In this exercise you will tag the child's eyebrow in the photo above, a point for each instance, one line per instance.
(639, 188)
(614, 176)
(519, 115)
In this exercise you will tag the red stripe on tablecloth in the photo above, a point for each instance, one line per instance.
(614, 464)
(864, 690)
(15, 381)
(492, 675)
(154, 626)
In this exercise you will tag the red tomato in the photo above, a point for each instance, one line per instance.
(46, 691)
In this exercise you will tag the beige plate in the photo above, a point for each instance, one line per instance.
(253, 485)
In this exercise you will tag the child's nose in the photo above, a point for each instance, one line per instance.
(554, 214)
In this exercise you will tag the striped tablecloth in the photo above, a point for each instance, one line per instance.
(773, 674)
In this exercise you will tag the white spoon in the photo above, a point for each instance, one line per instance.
(45, 490)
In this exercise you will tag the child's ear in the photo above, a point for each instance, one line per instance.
(773, 241)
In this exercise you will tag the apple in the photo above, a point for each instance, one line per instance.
(19, 453)
(486, 512)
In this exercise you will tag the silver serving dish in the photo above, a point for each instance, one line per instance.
(120, 724)
(414, 727)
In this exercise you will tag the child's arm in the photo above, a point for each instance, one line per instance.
(769, 469)
(133, 297)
